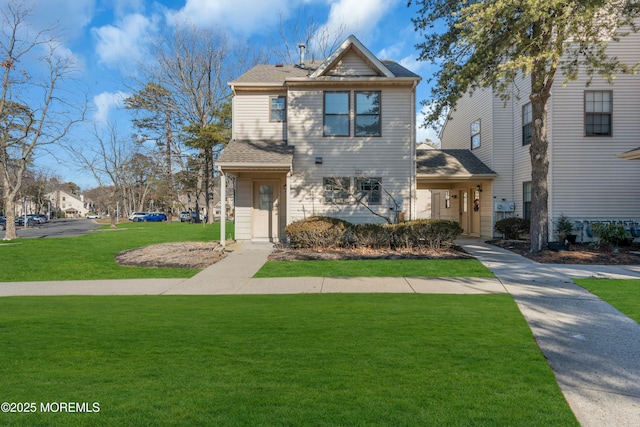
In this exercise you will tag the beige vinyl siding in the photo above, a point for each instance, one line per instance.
(251, 118)
(589, 181)
(351, 65)
(388, 157)
(244, 200)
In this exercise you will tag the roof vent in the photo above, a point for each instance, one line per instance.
(302, 48)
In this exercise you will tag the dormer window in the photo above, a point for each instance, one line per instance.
(336, 114)
(278, 109)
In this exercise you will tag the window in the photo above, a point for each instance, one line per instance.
(369, 190)
(475, 134)
(597, 109)
(367, 114)
(278, 109)
(336, 113)
(526, 200)
(527, 123)
(336, 190)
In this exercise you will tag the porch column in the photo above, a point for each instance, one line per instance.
(223, 208)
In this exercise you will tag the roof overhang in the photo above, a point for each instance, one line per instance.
(631, 154)
(449, 168)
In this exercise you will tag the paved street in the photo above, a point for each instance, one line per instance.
(63, 227)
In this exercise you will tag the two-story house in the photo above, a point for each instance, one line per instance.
(333, 137)
(592, 131)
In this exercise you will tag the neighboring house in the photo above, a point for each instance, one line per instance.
(592, 131)
(73, 206)
(333, 138)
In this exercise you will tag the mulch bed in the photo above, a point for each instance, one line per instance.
(288, 254)
(579, 253)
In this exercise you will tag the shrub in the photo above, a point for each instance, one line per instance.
(372, 236)
(511, 228)
(318, 232)
(610, 234)
(325, 232)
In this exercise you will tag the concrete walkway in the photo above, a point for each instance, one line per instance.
(593, 349)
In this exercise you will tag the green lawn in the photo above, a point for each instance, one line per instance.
(622, 294)
(375, 268)
(92, 256)
(298, 360)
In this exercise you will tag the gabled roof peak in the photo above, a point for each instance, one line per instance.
(351, 43)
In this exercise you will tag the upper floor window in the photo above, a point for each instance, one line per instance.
(336, 190)
(278, 109)
(336, 113)
(527, 124)
(367, 114)
(475, 134)
(369, 190)
(597, 112)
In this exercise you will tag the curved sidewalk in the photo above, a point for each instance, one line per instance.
(593, 349)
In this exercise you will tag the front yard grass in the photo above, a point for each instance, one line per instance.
(321, 359)
(375, 268)
(622, 294)
(92, 256)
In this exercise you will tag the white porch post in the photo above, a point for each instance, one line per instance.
(223, 208)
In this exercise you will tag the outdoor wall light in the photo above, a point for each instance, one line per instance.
(479, 188)
(318, 160)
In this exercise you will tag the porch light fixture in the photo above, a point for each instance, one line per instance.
(479, 188)
(318, 160)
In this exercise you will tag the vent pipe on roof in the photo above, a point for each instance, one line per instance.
(302, 48)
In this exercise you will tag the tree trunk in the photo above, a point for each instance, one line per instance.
(10, 214)
(539, 231)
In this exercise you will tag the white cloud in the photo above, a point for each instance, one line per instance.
(240, 16)
(356, 16)
(125, 41)
(105, 102)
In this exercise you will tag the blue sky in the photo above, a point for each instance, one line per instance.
(107, 36)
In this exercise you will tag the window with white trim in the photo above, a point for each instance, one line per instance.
(336, 190)
(475, 134)
(278, 109)
(367, 114)
(598, 108)
(369, 190)
(336, 114)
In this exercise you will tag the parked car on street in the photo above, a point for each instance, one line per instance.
(184, 216)
(153, 217)
(20, 221)
(38, 218)
(3, 223)
(93, 216)
(135, 215)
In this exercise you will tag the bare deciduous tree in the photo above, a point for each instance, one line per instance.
(32, 112)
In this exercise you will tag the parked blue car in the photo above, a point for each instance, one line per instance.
(153, 217)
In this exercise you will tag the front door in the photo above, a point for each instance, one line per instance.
(265, 211)
(463, 204)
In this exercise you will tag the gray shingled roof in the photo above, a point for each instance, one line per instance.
(279, 74)
(450, 163)
(265, 153)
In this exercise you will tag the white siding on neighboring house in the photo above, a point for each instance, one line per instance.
(587, 181)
